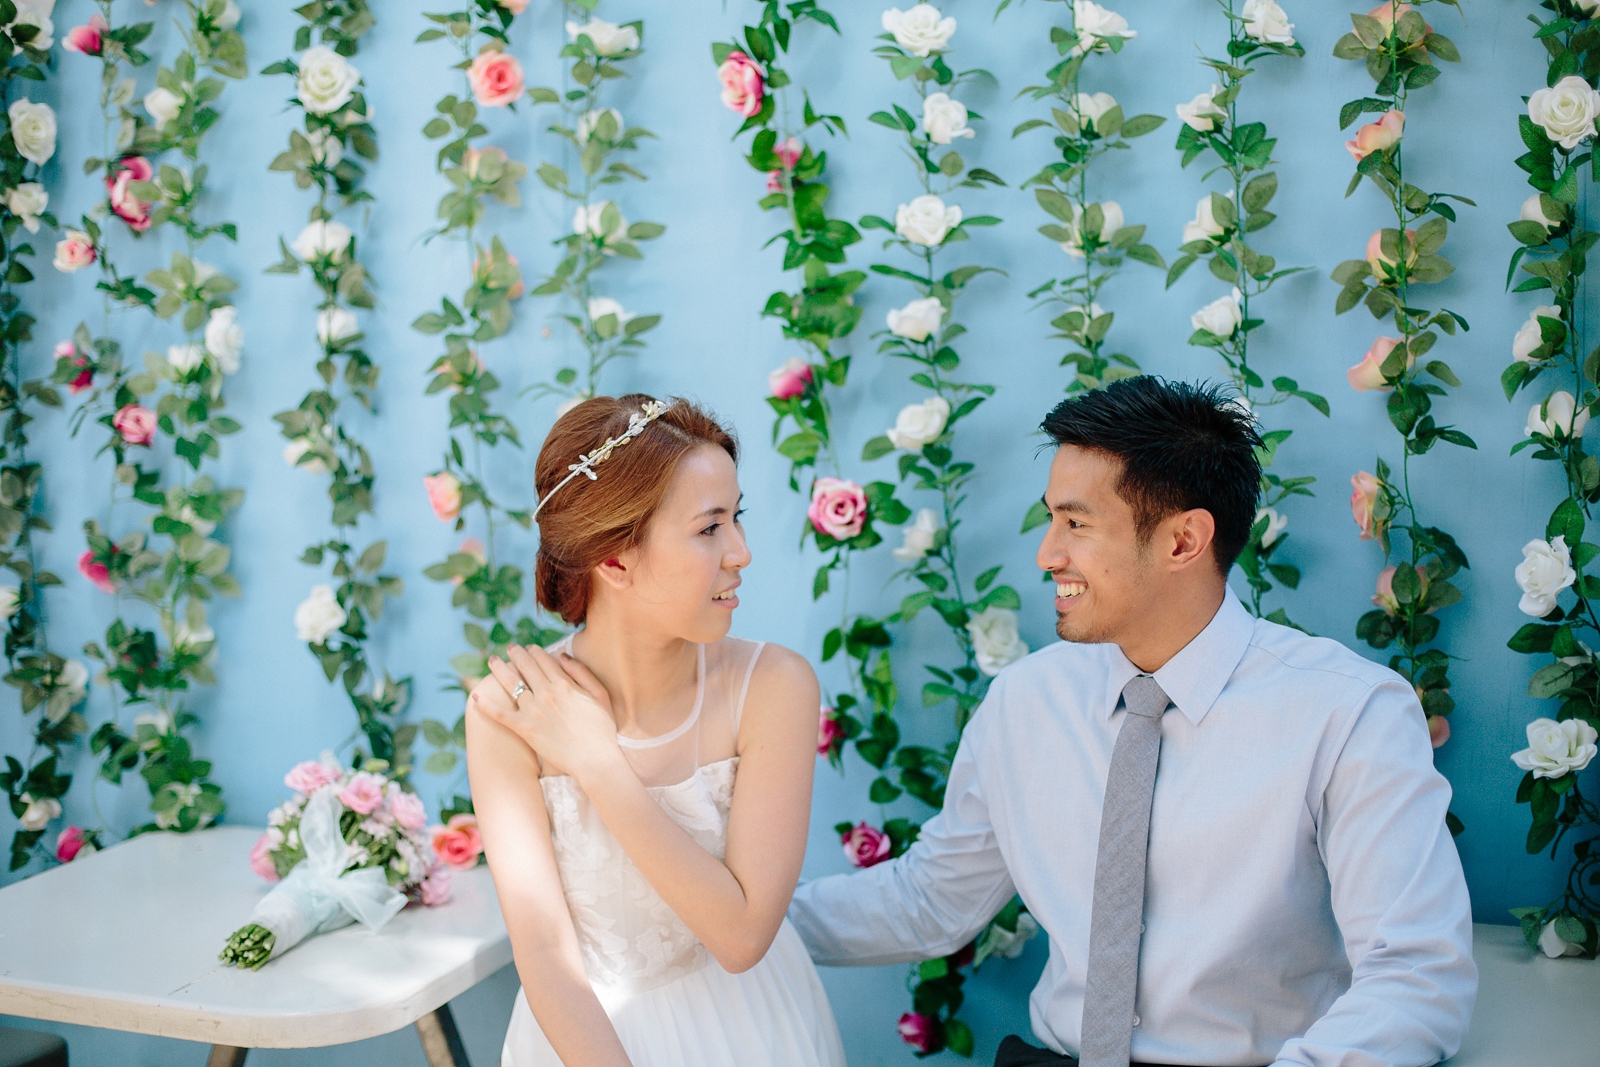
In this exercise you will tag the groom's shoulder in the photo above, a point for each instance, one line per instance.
(1317, 661)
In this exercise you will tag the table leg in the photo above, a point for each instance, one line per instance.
(441, 1041)
(226, 1056)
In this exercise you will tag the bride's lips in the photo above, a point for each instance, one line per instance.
(727, 598)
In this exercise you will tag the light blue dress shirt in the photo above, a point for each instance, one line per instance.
(1304, 900)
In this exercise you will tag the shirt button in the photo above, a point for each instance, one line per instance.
(1136, 1020)
(1141, 928)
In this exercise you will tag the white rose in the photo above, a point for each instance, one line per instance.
(163, 105)
(1201, 113)
(188, 514)
(1002, 942)
(1554, 945)
(926, 220)
(1091, 107)
(37, 15)
(319, 616)
(8, 601)
(1558, 416)
(1204, 225)
(1566, 111)
(919, 424)
(1095, 25)
(33, 130)
(1266, 22)
(1090, 312)
(159, 721)
(335, 324)
(1528, 338)
(944, 119)
(27, 202)
(225, 338)
(39, 812)
(73, 677)
(323, 238)
(230, 16)
(185, 358)
(1533, 209)
(919, 536)
(184, 637)
(918, 320)
(1555, 748)
(1111, 221)
(920, 31)
(1275, 525)
(327, 80)
(299, 447)
(590, 119)
(568, 404)
(609, 38)
(325, 147)
(1220, 317)
(1545, 570)
(587, 222)
(601, 306)
(995, 640)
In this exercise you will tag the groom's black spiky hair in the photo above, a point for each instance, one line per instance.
(1182, 447)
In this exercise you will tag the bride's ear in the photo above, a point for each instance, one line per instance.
(615, 572)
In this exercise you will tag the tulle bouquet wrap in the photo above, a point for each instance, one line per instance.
(348, 847)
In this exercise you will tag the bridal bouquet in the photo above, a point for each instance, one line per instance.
(348, 847)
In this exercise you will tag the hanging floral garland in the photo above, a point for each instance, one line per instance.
(1399, 48)
(47, 684)
(980, 614)
(1554, 238)
(596, 53)
(1221, 233)
(177, 396)
(333, 620)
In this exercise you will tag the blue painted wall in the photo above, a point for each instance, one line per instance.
(709, 277)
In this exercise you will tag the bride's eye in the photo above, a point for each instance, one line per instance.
(737, 515)
(710, 530)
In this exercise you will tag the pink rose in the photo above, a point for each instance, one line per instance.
(1368, 374)
(363, 794)
(774, 181)
(918, 1031)
(310, 776)
(88, 39)
(838, 508)
(496, 78)
(444, 495)
(85, 376)
(1438, 730)
(97, 572)
(126, 206)
(1388, 14)
(828, 731)
(1385, 600)
(1377, 136)
(407, 808)
(137, 425)
(516, 7)
(791, 379)
(1364, 503)
(742, 87)
(74, 252)
(865, 846)
(474, 548)
(260, 861)
(457, 843)
(1377, 259)
(72, 843)
(436, 887)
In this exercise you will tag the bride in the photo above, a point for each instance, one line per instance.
(643, 787)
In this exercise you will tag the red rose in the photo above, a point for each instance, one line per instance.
(918, 1031)
(828, 731)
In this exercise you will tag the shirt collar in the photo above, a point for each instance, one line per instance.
(1193, 678)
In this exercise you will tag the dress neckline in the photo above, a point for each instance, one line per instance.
(694, 777)
(678, 730)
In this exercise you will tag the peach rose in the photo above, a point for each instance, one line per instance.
(791, 379)
(458, 843)
(838, 508)
(1377, 259)
(496, 78)
(136, 424)
(124, 205)
(1384, 598)
(1365, 492)
(742, 87)
(865, 846)
(516, 7)
(1377, 136)
(1368, 374)
(444, 495)
(74, 252)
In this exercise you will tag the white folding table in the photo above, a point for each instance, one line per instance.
(148, 917)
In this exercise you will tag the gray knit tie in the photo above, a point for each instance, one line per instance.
(1117, 919)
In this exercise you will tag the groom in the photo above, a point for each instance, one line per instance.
(1233, 833)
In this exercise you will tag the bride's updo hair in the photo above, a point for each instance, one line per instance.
(589, 522)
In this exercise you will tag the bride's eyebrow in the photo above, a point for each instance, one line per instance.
(712, 512)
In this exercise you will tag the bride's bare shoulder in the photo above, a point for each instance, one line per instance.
(782, 673)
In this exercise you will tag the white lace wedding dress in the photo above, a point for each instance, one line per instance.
(672, 1004)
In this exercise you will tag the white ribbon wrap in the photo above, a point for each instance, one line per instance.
(316, 897)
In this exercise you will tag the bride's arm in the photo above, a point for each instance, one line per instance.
(734, 906)
(516, 837)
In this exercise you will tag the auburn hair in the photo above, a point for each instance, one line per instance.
(589, 522)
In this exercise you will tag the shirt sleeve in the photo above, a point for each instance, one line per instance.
(928, 902)
(1398, 895)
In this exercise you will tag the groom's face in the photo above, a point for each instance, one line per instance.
(1102, 569)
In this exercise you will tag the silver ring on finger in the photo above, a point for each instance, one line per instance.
(522, 687)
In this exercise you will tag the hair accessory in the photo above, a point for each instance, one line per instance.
(650, 411)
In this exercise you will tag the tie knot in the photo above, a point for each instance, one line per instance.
(1144, 696)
